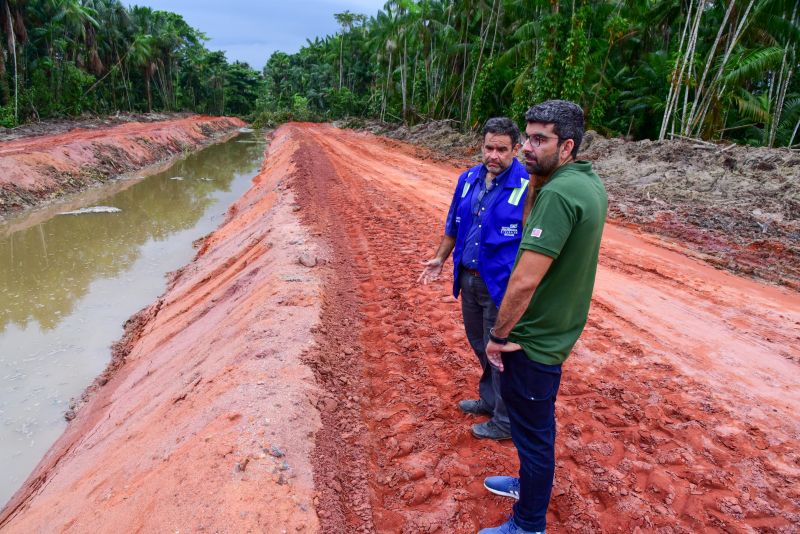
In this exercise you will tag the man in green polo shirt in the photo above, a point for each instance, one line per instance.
(546, 304)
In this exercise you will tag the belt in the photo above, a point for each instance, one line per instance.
(473, 272)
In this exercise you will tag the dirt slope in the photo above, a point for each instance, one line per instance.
(678, 408)
(34, 170)
(204, 419)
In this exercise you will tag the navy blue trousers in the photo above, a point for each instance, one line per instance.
(529, 389)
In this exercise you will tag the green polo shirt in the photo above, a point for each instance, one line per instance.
(566, 223)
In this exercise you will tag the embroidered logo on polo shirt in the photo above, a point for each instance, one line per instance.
(537, 232)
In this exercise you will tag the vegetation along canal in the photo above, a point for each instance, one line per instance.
(68, 284)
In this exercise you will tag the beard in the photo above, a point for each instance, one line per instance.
(494, 171)
(495, 167)
(543, 166)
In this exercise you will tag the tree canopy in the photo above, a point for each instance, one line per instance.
(644, 69)
(66, 57)
(714, 69)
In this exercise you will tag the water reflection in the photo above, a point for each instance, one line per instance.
(46, 269)
(68, 284)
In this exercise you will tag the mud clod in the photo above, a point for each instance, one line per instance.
(307, 260)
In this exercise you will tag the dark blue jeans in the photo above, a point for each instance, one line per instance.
(479, 313)
(529, 390)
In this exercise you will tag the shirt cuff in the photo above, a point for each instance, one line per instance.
(541, 250)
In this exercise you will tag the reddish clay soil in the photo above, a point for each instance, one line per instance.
(678, 407)
(735, 207)
(203, 421)
(300, 330)
(86, 121)
(34, 170)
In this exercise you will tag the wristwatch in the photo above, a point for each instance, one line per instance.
(497, 339)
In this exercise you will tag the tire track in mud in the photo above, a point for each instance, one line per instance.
(645, 443)
(403, 457)
(643, 446)
(340, 471)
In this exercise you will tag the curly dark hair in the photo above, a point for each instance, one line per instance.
(566, 118)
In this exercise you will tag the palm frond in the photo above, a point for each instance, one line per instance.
(751, 107)
(752, 64)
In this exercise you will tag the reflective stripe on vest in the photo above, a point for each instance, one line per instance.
(516, 194)
(465, 190)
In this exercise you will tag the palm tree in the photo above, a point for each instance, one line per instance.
(346, 20)
(141, 56)
(12, 24)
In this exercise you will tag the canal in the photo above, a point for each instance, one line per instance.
(69, 282)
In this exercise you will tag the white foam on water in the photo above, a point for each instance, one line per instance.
(93, 209)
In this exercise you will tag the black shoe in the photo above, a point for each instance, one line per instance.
(476, 407)
(489, 430)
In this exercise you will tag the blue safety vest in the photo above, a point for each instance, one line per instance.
(501, 231)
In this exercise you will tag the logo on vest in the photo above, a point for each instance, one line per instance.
(510, 231)
(537, 232)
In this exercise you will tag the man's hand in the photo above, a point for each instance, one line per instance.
(494, 352)
(433, 268)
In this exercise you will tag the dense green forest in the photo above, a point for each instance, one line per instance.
(640, 68)
(66, 57)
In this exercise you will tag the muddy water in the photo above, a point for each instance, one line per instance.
(68, 284)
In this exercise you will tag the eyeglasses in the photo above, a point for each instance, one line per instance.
(536, 140)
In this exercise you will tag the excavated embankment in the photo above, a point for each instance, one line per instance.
(35, 170)
(204, 418)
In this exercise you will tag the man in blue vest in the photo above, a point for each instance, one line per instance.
(483, 231)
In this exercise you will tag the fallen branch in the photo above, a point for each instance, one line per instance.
(693, 139)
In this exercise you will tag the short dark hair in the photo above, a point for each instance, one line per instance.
(502, 126)
(566, 118)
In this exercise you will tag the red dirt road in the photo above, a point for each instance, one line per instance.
(678, 409)
(677, 412)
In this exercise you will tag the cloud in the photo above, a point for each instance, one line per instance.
(252, 31)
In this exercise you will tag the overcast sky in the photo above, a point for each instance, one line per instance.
(252, 31)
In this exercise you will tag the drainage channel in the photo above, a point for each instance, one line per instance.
(68, 283)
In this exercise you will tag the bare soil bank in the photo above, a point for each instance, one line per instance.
(39, 168)
(299, 335)
(59, 126)
(203, 421)
(738, 207)
(679, 397)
